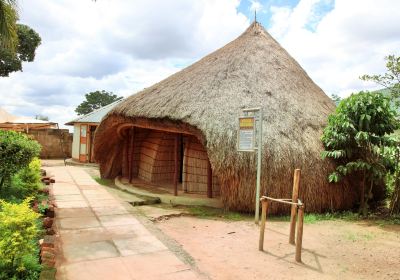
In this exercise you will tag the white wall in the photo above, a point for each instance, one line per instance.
(76, 141)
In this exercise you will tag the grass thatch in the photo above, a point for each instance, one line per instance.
(205, 100)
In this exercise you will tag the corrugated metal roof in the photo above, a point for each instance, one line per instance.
(95, 116)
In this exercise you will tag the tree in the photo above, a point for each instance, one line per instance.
(41, 117)
(336, 98)
(8, 19)
(354, 137)
(390, 80)
(10, 59)
(95, 100)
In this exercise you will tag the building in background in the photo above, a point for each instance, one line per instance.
(22, 124)
(83, 135)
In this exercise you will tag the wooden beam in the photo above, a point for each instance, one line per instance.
(299, 240)
(264, 211)
(159, 127)
(295, 196)
(209, 180)
(130, 149)
(176, 163)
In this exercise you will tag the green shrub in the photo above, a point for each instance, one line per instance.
(19, 232)
(354, 137)
(16, 152)
(27, 182)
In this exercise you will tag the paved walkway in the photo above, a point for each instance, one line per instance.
(101, 239)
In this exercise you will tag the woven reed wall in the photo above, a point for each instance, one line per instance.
(164, 164)
(148, 153)
(153, 160)
(195, 164)
(139, 136)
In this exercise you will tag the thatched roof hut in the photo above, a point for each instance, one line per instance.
(204, 100)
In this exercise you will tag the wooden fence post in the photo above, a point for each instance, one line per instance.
(264, 211)
(295, 196)
(299, 239)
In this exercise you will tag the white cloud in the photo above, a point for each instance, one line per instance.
(347, 42)
(255, 5)
(115, 45)
(124, 46)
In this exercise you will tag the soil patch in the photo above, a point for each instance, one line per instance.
(331, 249)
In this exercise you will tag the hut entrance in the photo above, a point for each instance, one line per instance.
(172, 162)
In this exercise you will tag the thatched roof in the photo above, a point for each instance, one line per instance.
(206, 98)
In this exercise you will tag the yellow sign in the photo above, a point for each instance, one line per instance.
(246, 123)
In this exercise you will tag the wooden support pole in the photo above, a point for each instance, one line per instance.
(264, 211)
(299, 239)
(295, 196)
(130, 149)
(176, 168)
(209, 180)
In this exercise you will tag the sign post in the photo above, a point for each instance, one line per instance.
(249, 140)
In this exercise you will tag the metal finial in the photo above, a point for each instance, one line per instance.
(255, 15)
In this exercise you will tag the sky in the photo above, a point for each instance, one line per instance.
(124, 46)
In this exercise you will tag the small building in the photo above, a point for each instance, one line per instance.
(83, 135)
(22, 124)
(182, 131)
(55, 142)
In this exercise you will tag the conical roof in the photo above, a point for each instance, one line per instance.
(251, 71)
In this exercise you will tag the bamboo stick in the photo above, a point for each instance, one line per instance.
(279, 200)
(299, 239)
(264, 210)
(295, 196)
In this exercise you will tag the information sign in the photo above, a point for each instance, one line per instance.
(246, 135)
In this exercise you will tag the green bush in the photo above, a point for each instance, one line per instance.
(19, 232)
(354, 137)
(16, 152)
(26, 182)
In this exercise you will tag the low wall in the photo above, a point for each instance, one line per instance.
(56, 143)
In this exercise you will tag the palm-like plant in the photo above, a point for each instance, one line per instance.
(8, 26)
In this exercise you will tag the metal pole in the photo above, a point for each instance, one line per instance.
(259, 150)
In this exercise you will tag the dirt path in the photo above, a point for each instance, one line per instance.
(332, 249)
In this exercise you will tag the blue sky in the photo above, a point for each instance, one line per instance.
(264, 13)
(123, 46)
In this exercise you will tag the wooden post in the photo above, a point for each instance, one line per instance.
(295, 196)
(209, 180)
(130, 159)
(264, 211)
(299, 239)
(176, 157)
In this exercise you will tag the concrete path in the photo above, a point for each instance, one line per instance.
(101, 239)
